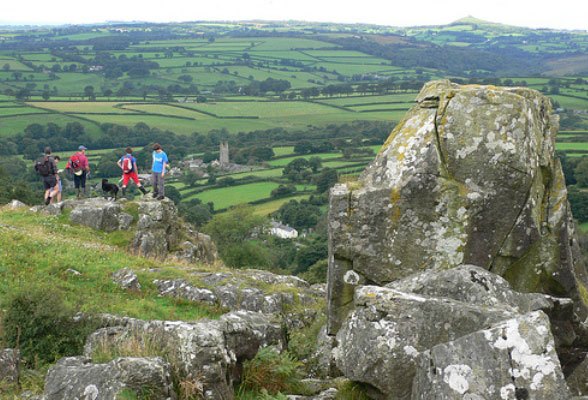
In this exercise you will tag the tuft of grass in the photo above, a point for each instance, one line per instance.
(349, 390)
(272, 372)
(303, 341)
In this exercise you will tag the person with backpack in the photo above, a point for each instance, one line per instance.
(47, 169)
(160, 163)
(80, 168)
(128, 164)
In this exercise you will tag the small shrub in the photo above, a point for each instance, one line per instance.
(272, 372)
(38, 321)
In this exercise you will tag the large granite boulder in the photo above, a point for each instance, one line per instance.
(209, 353)
(467, 177)
(97, 213)
(79, 378)
(161, 233)
(512, 360)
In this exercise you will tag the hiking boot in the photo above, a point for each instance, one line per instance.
(143, 190)
(154, 195)
(124, 190)
(160, 197)
(47, 201)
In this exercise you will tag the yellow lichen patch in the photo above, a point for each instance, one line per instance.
(394, 199)
(583, 293)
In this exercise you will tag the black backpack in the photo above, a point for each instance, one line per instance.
(45, 166)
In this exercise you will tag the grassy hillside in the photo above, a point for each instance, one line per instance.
(43, 252)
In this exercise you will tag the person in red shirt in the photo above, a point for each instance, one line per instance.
(79, 166)
(128, 164)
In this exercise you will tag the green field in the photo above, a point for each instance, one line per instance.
(230, 196)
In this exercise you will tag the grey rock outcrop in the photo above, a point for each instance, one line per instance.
(78, 378)
(9, 365)
(468, 177)
(209, 351)
(514, 359)
(259, 291)
(160, 233)
(98, 213)
(126, 279)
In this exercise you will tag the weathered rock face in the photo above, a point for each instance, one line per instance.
(97, 213)
(578, 380)
(381, 340)
(210, 352)
(160, 234)
(469, 176)
(78, 378)
(514, 359)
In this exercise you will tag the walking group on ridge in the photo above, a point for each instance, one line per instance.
(78, 168)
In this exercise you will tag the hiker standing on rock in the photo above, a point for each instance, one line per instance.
(46, 167)
(57, 192)
(79, 166)
(128, 164)
(160, 163)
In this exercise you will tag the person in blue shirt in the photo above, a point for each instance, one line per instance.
(160, 164)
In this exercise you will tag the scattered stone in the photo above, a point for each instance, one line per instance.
(72, 271)
(179, 288)
(78, 378)
(16, 205)
(126, 279)
(9, 365)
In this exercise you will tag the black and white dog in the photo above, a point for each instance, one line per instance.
(109, 188)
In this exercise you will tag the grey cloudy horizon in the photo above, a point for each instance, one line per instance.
(569, 14)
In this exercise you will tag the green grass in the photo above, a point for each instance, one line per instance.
(284, 161)
(572, 146)
(10, 126)
(269, 207)
(82, 106)
(283, 151)
(41, 249)
(233, 195)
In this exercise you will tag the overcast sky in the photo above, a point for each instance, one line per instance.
(562, 14)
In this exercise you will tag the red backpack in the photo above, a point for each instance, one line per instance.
(127, 164)
(75, 163)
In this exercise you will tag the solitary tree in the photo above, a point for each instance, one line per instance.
(89, 93)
